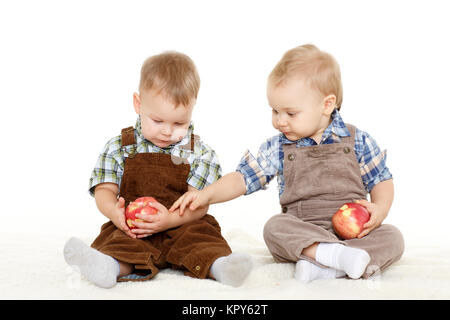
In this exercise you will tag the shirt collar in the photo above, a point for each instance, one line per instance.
(335, 130)
(184, 141)
(336, 127)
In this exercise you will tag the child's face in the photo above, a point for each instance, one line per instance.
(162, 123)
(299, 111)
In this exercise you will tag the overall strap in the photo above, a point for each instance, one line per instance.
(190, 145)
(128, 136)
(351, 128)
(193, 141)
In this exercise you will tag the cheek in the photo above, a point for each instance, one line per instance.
(179, 133)
(274, 122)
(299, 124)
(149, 129)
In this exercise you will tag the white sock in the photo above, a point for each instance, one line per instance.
(352, 261)
(306, 271)
(97, 267)
(232, 269)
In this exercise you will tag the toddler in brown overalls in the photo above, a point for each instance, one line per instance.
(320, 163)
(160, 157)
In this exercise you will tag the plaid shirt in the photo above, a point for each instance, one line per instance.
(259, 171)
(205, 167)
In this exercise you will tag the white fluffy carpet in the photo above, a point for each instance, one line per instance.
(33, 267)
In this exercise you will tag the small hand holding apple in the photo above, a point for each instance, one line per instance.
(357, 219)
(377, 216)
(147, 216)
(139, 206)
(118, 217)
(348, 222)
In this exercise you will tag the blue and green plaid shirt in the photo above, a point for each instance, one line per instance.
(205, 167)
(259, 171)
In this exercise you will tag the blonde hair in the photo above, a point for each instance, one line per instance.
(172, 73)
(318, 68)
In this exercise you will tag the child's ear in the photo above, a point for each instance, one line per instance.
(137, 103)
(329, 104)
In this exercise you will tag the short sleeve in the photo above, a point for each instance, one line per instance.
(259, 171)
(372, 160)
(109, 165)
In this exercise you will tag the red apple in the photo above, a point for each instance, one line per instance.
(139, 206)
(349, 220)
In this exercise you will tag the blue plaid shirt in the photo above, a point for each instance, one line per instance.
(259, 171)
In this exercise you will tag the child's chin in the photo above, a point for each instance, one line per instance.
(291, 136)
(163, 145)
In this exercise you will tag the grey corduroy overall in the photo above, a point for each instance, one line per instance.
(318, 181)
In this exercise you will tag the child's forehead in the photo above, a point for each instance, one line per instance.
(295, 84)
(155, 93)
(164, 110)
(160, 96)
(292, 89)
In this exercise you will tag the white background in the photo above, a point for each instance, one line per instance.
(68, 70)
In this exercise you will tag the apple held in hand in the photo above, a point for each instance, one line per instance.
(349, 220)
(139, 206)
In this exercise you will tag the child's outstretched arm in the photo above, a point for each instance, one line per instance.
(230, 186)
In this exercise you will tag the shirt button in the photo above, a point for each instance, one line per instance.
(197, 268)
(291, 156)
(346, 150)
(285, 209)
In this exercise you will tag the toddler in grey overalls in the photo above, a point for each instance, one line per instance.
(318, 180)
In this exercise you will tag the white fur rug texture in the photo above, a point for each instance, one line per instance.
(33, 267)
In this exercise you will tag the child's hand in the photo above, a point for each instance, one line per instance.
(152, 223)
(377, 215)
(118, 217)
(195, 198)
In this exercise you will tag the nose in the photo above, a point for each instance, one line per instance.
(166, 130)
(281, 121)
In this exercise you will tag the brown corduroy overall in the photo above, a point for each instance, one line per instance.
(318, 181)
(192, 247)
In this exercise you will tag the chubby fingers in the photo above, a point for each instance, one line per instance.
(158, 206)
(145, 227)
(144, 235)
(190, 199)
(363, 202)
(183, 205)
(140, 233)
(176, 204)
(195, 204)
(368, 226)
(371, 222)
(124, 227)
(128, 231)
(146, 218)
(363, 233)
(121, 202)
